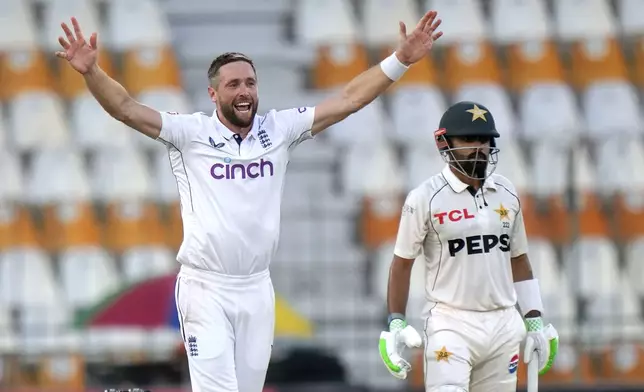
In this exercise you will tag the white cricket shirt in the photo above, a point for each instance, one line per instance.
(231, 193)
(466, 245)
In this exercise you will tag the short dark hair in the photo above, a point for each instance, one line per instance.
(227, 58)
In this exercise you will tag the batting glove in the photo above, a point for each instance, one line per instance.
(543, 341)
(393, 342)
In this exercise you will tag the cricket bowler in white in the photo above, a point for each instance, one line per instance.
(468, 225)
(230, 171)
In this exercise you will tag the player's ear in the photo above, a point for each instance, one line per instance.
(212, 93)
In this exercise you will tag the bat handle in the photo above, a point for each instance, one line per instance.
(533, 373)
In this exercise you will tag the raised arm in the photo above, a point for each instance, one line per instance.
(367, 86)
(83, 56)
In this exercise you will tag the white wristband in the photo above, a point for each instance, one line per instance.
(393, 68)
(528, 296)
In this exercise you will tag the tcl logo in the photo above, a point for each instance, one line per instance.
(478, 244)
(454, 216)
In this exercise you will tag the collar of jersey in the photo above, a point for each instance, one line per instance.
(227, 133)
(459, 186)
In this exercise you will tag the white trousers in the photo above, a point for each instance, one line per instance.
(475, 351)
(227, 324)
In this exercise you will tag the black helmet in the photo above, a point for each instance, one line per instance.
(470, 121)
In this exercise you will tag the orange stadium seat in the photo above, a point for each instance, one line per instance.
(174, 226)
(50, 376)
(579, 367)
(557, 220)
(592, 220)
(152, 68)
(624, 365)
(24, 71)
(17, 227)
(379, 220)
(422, 73)
(70, 225)
(70, 84)
(530, 63)
(595, 60)
(130, 224)
(638, 63)
(629, 218)
(533, 221)
(338, 64)
(470, 63)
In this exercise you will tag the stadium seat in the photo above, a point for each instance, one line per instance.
(590, 215)
(563, 122)
(69, 183)
(628, 12)
(380, 278)
(16, 223)
(638, 63)
(576, 20)
(94, 128)
(619, 164)
(634, 268)
(381, 17)
(70, 83)
(497, 101)
(519, 21)
(597, 60)
(591, 267)
(420, 162)
(150, 68)
(513, 166)
(28, 87)
(423, 73)
(550, 179)
(628, 208)
(623, 363)
(416, 111)
(132, 26)
(463, 20)
(612, 109)
(337, 64)
(4, 131)
(122, 182)
(17, 26)
(88, 275)
(323, 22)
(147, 262)
(367, 127)
(470, 63)
(533, 63)
(167, 100)
(29, 286)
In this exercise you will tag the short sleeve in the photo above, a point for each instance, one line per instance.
(297, 123)
(178, 129)
(413, 226)
(519, 240)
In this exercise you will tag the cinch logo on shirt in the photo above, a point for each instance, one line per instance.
(263, 168)
(478, 244)
(454, 216)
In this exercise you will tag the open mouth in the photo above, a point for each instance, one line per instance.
(243, 107)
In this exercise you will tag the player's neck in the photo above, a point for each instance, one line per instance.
(242, 131)
(476, 184)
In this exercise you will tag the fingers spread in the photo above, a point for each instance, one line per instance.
(403, 29)
(437, 36)
(423, 21)
(68, 33)
(63, 43)
(62, 55)
(93, 41)
(433, 26)
(77, 29)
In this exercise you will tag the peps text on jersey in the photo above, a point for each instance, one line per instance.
(478, 244)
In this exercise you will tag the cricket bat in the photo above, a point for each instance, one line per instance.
(533, 373)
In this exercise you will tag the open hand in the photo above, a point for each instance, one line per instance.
(80, 54)
(413, 47)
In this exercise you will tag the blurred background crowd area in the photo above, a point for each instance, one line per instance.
(89, 211)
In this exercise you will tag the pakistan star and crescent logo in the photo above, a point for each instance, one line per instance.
(442, 355)
(477, 113)
(503, 213)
